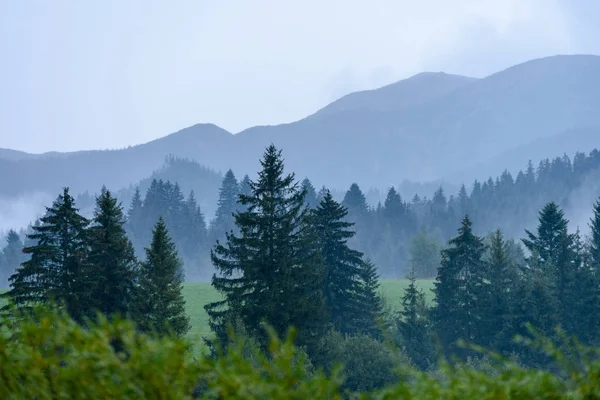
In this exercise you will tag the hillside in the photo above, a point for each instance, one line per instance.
(422, 128)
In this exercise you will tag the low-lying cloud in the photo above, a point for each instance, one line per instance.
(18, 212)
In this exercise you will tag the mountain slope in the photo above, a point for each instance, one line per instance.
(419, 129)
(406, 93)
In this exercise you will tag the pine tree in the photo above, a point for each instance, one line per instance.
(135, 219)
(11, 257)
(160, 302)
(245, 188)
(194, 235)
(270, 271)
(414, 326)
(458, 287)
(226, 206)
(311, 194)
(342, 280)
(496, 304)
(356, 203)
(57, 268)
(549, 238)
(554, 248)
(370, 310)
(591, 279)
(112, 259)
(594, 246)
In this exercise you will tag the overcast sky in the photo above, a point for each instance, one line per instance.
(105, 74)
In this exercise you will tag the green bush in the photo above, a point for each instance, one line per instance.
(48, 356)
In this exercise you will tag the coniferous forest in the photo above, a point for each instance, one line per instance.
(285, 255)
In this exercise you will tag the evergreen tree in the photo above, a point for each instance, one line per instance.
(11, 257)
(414, 326)
(342, 280)
(594, 245)
(194, 235)
(271, 271)
(311, 194)
(459, 287)
(549, 238)
(370, 311)
(112, 259)
(161, 306)
(245, 188)
(57, 268)
(356, 203)
(135, 219)
(497, 329)
(556, 256)
(226, 206)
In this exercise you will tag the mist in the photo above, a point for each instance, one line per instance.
(18, 212)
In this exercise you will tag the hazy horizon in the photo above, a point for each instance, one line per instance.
(76, 82)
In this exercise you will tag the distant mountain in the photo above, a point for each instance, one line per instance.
(406, 93)
(422, 129)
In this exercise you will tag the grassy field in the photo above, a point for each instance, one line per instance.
(199, 294)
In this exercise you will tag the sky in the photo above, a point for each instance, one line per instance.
(81, 75)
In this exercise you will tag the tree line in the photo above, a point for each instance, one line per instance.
(88, 267)
(283, 258)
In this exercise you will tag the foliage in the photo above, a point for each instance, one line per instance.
(269, 272)
(112, 262)
(160, 303)
(57, 267)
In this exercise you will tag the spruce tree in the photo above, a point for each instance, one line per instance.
(497, 301)
(270, 271)
(458, 288)
(57, 268)
(11, 257)
(160, 302)
(414, 325)
(311, 194)
(193, 233)
(549, 238)
(594, 245)
(342, 280)
(557, 258)
(112, 259)
(591, 279)
(135, 219)
(226, 206)
(370, 310)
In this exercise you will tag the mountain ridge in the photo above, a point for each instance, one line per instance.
(461, 123)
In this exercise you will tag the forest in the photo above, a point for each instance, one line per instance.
(286, 256)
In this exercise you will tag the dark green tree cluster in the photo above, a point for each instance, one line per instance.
(486, 291)
(89, 266)
(289, 265)
(182, 216)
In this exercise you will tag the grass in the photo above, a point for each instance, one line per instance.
(201, 293)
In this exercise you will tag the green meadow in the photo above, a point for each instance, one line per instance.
(200, 293)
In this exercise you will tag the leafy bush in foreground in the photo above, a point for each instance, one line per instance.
(49, 356)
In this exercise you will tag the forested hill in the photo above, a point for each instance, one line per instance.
(421, 128)
(394, 234)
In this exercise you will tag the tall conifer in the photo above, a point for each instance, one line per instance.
(57, 268)
(112, 258)
(269, 271)
(160, 302)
